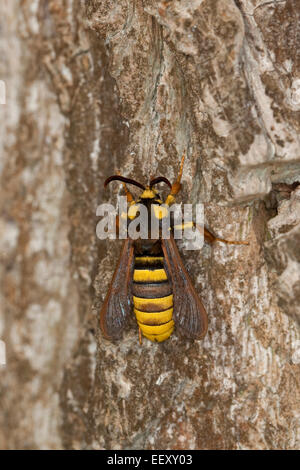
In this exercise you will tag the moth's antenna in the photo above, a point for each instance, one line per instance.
(124, 180)
(160, 179)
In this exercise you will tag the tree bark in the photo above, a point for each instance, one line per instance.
(99, 86)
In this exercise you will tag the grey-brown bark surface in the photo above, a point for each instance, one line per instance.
(98, 86)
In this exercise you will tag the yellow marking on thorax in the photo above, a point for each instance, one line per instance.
(133, 210)
(164, 303)
(154, 318)
(151, 275)
(160, 212)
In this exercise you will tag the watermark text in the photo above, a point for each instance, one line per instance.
(154, 221)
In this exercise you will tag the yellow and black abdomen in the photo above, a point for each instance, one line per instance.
(152, 298)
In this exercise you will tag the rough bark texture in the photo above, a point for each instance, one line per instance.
(98, 86)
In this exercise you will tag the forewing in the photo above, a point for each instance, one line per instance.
(188, 311)
(117, 303)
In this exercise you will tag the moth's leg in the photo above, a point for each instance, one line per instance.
(175, 186)
(184, 225)
(130, 201)
(208, 236)
(140, 335)
(117, 226)
(129, 196)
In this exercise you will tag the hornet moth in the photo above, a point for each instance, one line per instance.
(150, 277)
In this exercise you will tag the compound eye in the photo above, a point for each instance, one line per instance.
(160, 212)
(133, 210)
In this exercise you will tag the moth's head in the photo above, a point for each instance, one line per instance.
(148, 197)
(148, 193)
(153, 206)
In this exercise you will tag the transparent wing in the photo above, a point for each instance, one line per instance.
(189, 313)
(117, 304)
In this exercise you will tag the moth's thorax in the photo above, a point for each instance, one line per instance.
(150, 217)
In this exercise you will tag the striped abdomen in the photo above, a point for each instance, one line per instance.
(152, 298)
